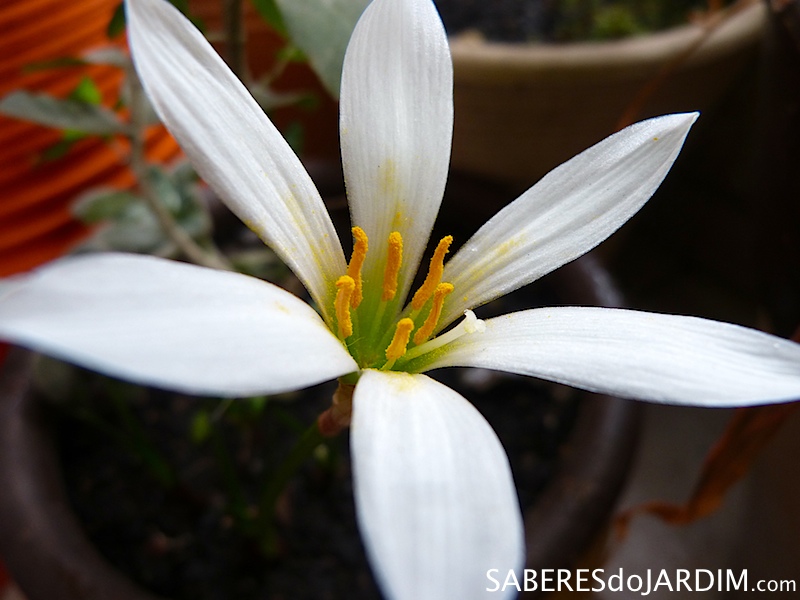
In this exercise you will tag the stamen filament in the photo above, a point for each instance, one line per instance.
(360, 246)
(394, 260)
(424, 332)
(345, 286)
(434, 276)
(397, 348)
(470, 324)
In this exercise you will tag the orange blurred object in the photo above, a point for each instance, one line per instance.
(35, 220)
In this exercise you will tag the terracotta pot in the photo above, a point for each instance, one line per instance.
(522, 109)
(35, 220)
(50, 557)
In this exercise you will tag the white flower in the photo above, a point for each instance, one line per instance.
(435, 499)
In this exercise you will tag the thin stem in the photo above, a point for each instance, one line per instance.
(237, 499)
(308, 441)
(234, 36)
(139, 166)
(139, 442)
(278, 69)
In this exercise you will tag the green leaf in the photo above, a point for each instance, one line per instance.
(107, 55)
(322, 29)
(200, 427)
(117, 23)
(72, 135)
(294, 134)
(135, 229)
(56, 151)
(181, 5)
(86, 91)
(256, 405)
(102, 205)
(56, 63)
(165, 189)
(129, 223)
(291, 53)
(269, 99)
(271, 14)
(61, 114)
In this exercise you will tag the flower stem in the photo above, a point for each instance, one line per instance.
(308, 442)
(138, 163)
(237, 500)
(139, 441)
(234, 36)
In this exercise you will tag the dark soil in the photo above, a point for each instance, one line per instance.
(167, 486)
(178, 529)
(565, 20)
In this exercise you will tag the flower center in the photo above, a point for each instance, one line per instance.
(369, 319)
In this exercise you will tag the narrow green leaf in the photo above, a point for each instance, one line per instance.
(257, 405)
(291, 53)
(200, 429)
(294, 134)
(322, 29)
(181, 5)
(61, 113)
(56, 151)
(269, 11)
(56, 63)
(117, 23)
(72, 135)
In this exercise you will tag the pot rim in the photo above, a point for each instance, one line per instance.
(479, 60)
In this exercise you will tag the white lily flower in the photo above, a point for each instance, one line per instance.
(434, 494)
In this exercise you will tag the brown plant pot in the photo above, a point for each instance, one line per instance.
(49, 556)
(523, 109)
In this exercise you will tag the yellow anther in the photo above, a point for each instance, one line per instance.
(393, 261)
(434, 274)
(360, 245)
(345, 286)
(424, 332)
(400, 340)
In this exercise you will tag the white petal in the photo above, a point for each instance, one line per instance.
(434, 495)
(639, 355)
(172, 325)
(571, 210)
(396, 126)
(232, 144)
